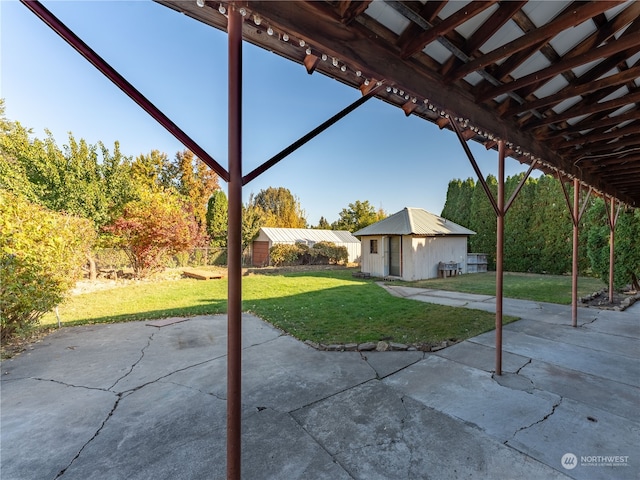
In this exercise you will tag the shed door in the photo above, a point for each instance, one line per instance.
(260, 254)
(394, 256)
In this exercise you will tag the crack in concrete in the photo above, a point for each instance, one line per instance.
(102, 425)
(119, 396)
(189, 387)
(404, 438)
(528, 363)
(134, 363)
(332, 456)
(553, 410)
(59, 382)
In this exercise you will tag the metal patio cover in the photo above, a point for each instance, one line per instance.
(558, 81)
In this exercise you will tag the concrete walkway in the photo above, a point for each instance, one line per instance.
(147, 400)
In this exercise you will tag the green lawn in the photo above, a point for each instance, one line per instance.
(526, 286)
(325, 306)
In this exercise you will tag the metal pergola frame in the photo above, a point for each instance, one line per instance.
(236, 180)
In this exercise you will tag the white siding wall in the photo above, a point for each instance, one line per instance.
(373, 263)
(422, 257)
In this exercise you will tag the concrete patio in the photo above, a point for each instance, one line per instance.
(147, 400)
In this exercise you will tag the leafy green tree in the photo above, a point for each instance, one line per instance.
(358, 215)
(217, 218)
(252, 220)
(14, 144)
(117, 179)
(323, 224)
(41, 254)
(280, 208)
(153, 172)
(153, 228)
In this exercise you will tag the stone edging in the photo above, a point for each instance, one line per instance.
(626, 303)
(381, 346)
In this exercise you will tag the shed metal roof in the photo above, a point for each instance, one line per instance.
(287, 235)
(414, 221)
(558, 81)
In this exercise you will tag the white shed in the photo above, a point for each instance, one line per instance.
(269, 236)
(411, 245)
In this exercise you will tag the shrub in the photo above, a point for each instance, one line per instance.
(328, 253)
(284, 254)
(153, 229)
(41, 257)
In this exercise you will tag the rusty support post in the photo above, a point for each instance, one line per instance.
(499, 257)
(612, 226)
(234, 307)
(574, 269)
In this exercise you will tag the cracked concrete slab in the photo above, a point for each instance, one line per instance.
(74, 355)
(482, 357)
(472, 396)
(401, 438)
(583, 337)
(620, 323)
(595, 362)
(150, 402)
(588, 432)
(294, 375)
(387, 363)
(588, 389)
(44, 424)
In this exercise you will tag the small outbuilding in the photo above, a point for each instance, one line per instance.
(269, 236)
(413, 244)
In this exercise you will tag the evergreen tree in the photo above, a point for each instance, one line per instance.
(517, 240)
(323, 224)
(218, 219)
(482, 220)
(551, 229)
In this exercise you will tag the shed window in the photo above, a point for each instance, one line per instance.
(373, 246)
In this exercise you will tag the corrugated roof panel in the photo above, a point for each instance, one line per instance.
(309, 236)
(414, 221)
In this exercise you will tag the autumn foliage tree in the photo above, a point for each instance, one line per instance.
(153, 228)
(280, 208)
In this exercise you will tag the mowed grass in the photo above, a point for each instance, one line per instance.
(525, 286)
(325, 306)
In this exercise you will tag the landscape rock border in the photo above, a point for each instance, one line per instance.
(591, 301)
(381, 346)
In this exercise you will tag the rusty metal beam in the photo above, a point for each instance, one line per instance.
(500, 211)
(612, 217)
(309, 136)
(576, 214)
(234, 262)
(475, 166)
(574, 261)
(499, 256)
(108, 71)
(519, 187)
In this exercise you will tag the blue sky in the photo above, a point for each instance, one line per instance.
(375, 154)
